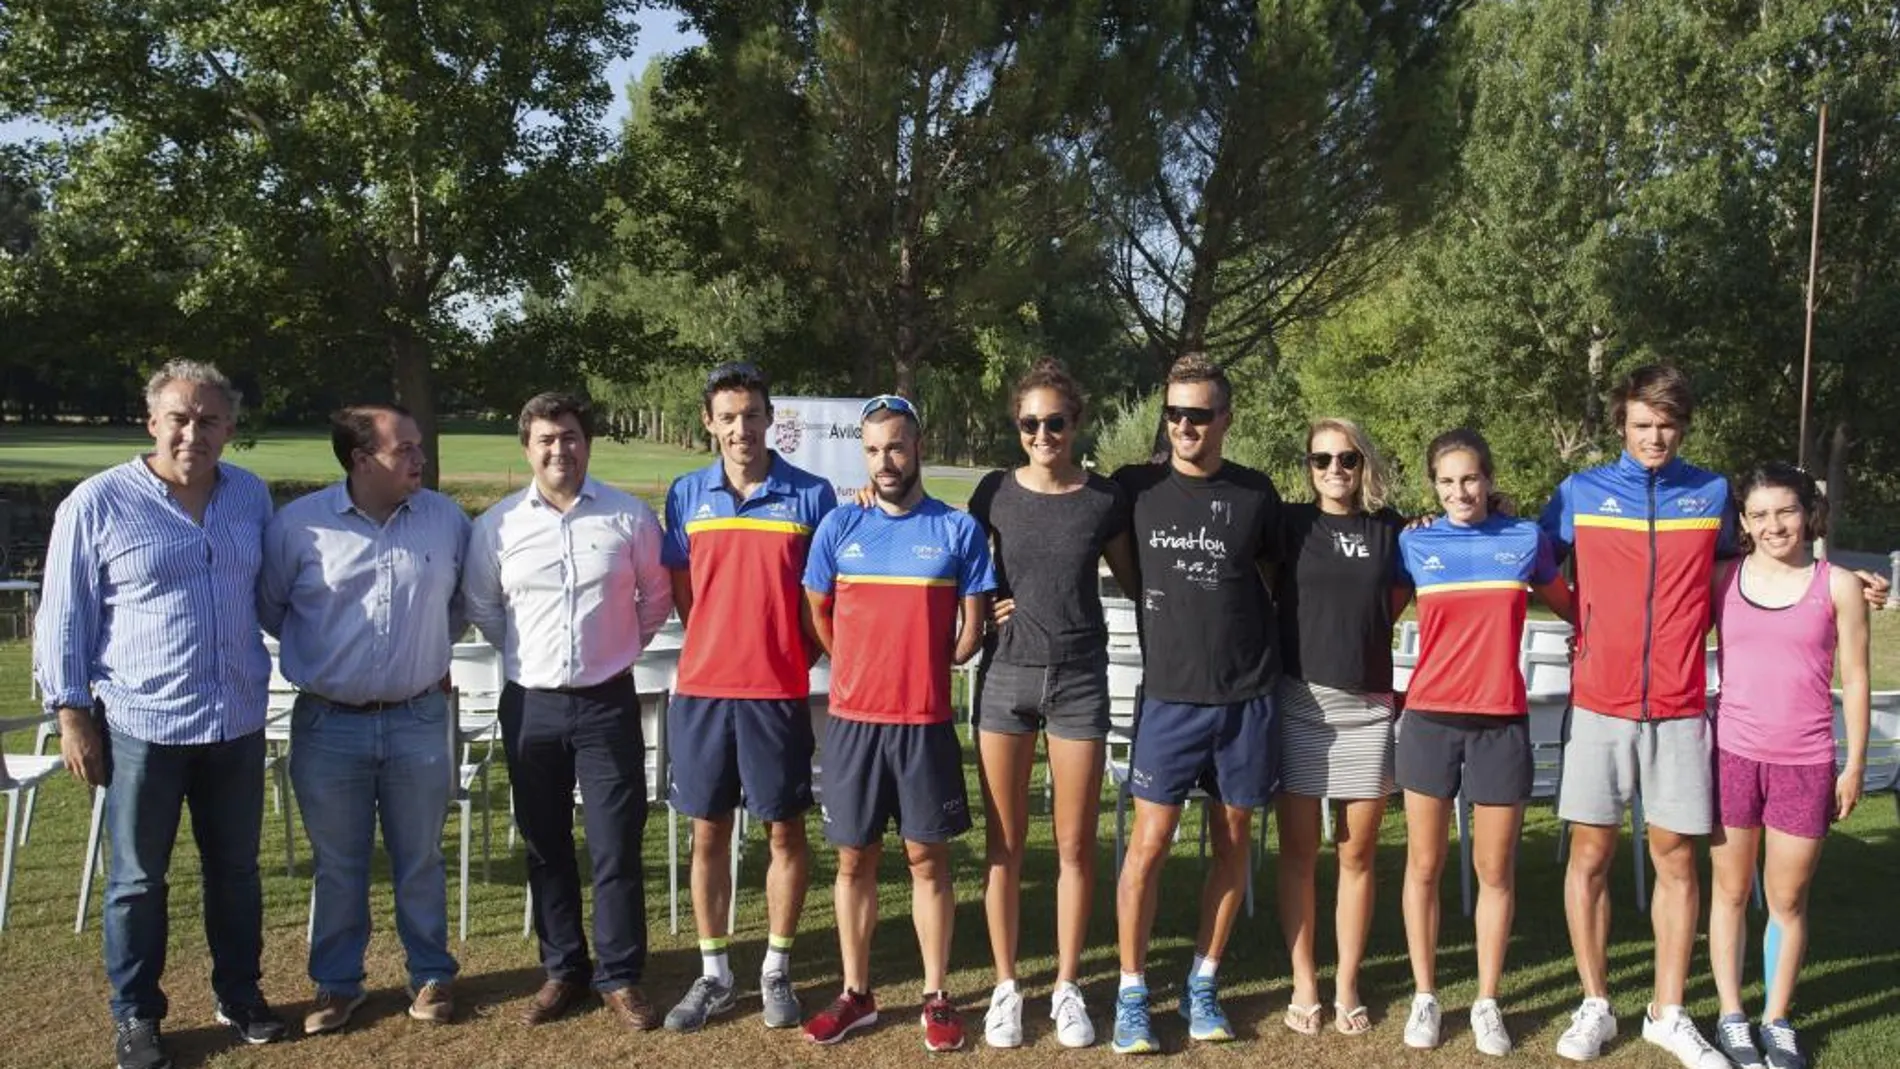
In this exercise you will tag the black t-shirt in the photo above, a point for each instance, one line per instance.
(1207, 619)
(1335, 597)
(1046, 547)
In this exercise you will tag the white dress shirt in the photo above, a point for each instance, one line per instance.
(570, 598)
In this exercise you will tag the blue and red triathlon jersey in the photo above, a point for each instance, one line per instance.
(743, 638)
(897, 584)
(1645, 543)
(1473, 588)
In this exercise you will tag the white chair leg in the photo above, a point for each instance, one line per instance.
(527, 914)
(1326, 820)
(6, 862)
(487, 819)
(467, 805)
(673, 867)
(41, 737)
(1463, 810)
(94, 837)
(310, 922)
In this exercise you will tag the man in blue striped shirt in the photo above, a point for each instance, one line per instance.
(149, 622)
(361, 585)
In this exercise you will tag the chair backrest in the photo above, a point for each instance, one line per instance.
(1547, 742)
(1402, 665)
(1122, 617)
(653, 735)
(671, 636)
(475, 671)
(1546, 636)
(1124, 695)
(1546, 673)
(1408, 638)
(1883, 741)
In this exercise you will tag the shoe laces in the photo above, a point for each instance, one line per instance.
(1132, 1011)
(1486, 1017)
(1687, 1032)
(705, 987)
(1735, 1032)
(841, 1008)
(1204, 997)
(1780, 1036)
(1421, 1014)
(1588, 1017)
(938, 1010)
(1003, 1008)
(1069, 1010)
(775, 982)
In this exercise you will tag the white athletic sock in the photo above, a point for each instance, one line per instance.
(778, 956)
(712, 961)
(1134, 979)
(1204, 967)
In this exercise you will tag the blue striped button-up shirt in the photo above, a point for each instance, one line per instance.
(366, 612)
(153, 613)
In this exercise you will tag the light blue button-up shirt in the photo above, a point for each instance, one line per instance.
(154, 613)
(365, 612)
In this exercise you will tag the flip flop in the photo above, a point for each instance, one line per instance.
(1303, 1019)
(1351, 1022)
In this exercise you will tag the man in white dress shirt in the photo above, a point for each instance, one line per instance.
(564, 577)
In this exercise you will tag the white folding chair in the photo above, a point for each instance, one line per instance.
(1546, 674)
(1883, 745)
(1546, 636)
(19, 773)
(1408, 638)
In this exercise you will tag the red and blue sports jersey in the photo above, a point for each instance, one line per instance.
(897, 582)
(743, 638)
(1473, 588)
(1645, 543)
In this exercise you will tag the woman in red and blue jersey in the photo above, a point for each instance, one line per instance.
(1466, 730)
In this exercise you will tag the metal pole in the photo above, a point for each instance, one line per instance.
(1814, 260)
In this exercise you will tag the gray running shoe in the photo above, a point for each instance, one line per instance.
(781, 1003)
(705, 999)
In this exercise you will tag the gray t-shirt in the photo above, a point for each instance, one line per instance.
(1046, 547)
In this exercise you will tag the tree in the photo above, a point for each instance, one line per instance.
(1257, 160)
(366, 175)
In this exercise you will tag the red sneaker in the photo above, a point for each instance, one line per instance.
(850, 1012)
(943, 1025)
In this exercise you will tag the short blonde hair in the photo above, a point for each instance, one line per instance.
(1375, 479)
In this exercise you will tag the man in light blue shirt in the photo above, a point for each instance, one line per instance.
(360, 584)
(149, 623)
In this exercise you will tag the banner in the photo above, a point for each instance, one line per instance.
(822, 435)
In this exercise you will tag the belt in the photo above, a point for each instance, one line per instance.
(374, 707)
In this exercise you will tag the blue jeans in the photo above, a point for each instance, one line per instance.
(146, 793)
(348, 768)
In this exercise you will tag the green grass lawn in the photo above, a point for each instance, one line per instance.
(52, 982)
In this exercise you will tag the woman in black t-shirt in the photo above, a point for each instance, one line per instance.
(1338, 593)
(1045, 669)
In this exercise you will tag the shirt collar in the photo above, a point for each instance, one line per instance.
(341, 501)
(1629, 465)
(777, 475)
(589, 490)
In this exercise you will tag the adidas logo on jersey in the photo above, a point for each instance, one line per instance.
(852, 552)
(1610, 506)
(1433, 564)
(705, 512)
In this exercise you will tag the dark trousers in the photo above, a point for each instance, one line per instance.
(553, 739)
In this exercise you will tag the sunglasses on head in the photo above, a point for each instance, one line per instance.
(1199, 417)
(893, 403)
(1348, 460)
(1032, 424)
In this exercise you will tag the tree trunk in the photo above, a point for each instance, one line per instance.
(1839, 442)
(414, 381)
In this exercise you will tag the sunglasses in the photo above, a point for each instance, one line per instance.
(891, 402)
(1199, 417)
(1031, 424)
(1348, 460)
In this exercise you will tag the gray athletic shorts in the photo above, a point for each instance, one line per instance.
(1608, 759)
(1069, 701)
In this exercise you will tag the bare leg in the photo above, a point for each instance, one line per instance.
(1587, 904)
(1076, 767)
(1357, 849)
(1494, 830)
(933, 907)
(1299, 854)
(1732, 853)
(788, 877)
(1230, 831)
(856, 897)
(711, 875)
(1427, 821)
(1003, 764)
(1140, 884)
(1790, 872)
(1672, 911)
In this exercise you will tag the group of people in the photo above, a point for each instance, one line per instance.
(1266, 634)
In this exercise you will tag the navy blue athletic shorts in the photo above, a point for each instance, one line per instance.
(875, 773)
(1231, 751)
(724, 750)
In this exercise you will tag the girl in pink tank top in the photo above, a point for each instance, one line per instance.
(1783, 617)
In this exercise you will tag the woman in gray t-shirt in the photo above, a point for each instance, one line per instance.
(1045, 669)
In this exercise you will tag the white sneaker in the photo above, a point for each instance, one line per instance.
(1591, 1027)
(1487, 1028)
(1003, 1025)
(1071, 1015)
(1421, 1028)
(1677, 1034)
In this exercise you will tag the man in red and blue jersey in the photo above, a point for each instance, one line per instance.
(1645, 533)
(898, 593)
(739, 719)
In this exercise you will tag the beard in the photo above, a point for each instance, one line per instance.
(905, 484)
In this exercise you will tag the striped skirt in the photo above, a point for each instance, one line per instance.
(1336, 743)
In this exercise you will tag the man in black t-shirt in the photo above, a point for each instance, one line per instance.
(1203, 527)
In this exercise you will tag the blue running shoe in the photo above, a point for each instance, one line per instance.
(1134, 1034)
(1201, 1007)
